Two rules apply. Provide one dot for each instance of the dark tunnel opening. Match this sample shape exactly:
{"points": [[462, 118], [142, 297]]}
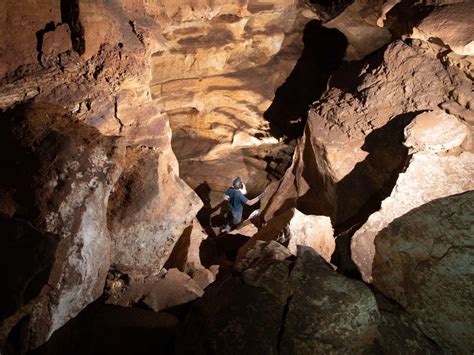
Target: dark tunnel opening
{"points": [[323, 52]]}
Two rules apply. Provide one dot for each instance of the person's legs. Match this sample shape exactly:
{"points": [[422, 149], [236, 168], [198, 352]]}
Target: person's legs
{"points": [[237, 218]]}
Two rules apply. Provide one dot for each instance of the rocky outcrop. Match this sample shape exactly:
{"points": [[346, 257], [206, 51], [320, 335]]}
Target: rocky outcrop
{"points": [[432, 173], [173, 289], [352, 152], [423, 260], [63, 60], [358, 22], [148, 211], [282, 306], [58, 177], [294, 228]]}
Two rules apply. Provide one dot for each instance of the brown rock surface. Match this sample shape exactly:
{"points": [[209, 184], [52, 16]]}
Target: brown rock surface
{"points": [[436, 132], [148, 211], [173, 289], [60, 174], [352, 152], [423, 260], [282, 306], [293, 228], [429, 176], [452, 25], [358, 22]]}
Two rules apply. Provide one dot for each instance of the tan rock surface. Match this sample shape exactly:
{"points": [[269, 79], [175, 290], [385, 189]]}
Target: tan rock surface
{"points": [[352, 148], [173, 289], [294, 228], [452, 25], [148, 211], [436, 132], [428, 177], [424, 261]]}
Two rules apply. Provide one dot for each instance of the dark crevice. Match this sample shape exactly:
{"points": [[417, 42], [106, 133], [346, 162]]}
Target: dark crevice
{"points": [[328, 9], [323, 52], [136, 33], [70, 11], [286, 309], [116, 115], [368, 184]]}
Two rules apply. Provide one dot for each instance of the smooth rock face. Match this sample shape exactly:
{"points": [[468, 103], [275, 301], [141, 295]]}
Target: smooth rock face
{"points": [[61, 189], [294, 228], [173, 289], [279, 306], [423, 260], [148, 211], [452, 25], [436, 132]]}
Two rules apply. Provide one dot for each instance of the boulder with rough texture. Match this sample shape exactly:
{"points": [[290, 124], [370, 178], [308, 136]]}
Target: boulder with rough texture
{"points": [[294, 228], [148, 212], [352, 150], [398, 331], [452, 25], [282, 306], [424, 261], [58, 177], [428, 177], [327, 311], [432, 173]]}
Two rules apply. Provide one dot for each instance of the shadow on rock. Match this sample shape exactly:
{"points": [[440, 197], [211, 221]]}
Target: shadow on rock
{"points": [[323, 52]]}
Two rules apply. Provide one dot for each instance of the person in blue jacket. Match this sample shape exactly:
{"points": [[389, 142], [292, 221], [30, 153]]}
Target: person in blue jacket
{"points": [[235, 197]]}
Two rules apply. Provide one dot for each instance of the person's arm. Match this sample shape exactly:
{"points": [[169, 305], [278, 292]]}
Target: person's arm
{"points": [[254, 200], [243, 189]]}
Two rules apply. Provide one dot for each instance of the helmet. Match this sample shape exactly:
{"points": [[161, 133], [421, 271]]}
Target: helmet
{"points": [[237, 183]]}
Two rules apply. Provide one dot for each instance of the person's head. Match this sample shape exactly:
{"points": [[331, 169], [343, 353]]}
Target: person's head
{"points": [[237, 183]]}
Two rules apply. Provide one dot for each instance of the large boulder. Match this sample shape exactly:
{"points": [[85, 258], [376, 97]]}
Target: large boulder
{"points": [[58, 175], [352, 150], [452, 25], [294, 228], [423, 260], [282, 306], [148, 212], [432, 173], [327, 311]]}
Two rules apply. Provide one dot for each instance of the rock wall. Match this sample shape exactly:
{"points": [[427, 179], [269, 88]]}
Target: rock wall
{"points": [[83, 64], [59, 175]]}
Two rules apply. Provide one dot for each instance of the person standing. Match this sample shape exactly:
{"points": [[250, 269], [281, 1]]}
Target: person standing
{"points": [[235, 197]]}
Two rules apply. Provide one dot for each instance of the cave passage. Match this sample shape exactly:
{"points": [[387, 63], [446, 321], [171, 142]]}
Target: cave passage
{"points": [[70, 15], [323, 52]]}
